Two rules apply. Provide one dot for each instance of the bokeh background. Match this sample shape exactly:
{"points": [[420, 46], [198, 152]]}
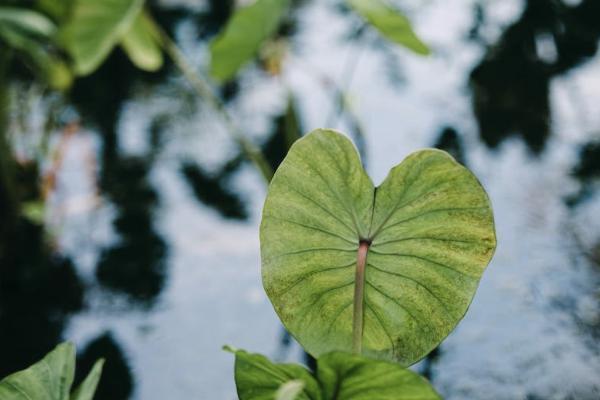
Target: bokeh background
{"points": [[129, 217]]}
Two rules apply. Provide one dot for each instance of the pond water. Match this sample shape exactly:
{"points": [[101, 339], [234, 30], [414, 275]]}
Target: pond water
{"points": [[166, 249]]}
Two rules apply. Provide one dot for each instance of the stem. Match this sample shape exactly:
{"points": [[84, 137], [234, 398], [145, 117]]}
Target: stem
{"points": [[202, 87], [359, 300], [341, 104]]}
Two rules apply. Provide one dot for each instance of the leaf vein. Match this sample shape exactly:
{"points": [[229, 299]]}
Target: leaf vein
{"points": [[312, 227], [402, 307], [439, 300], [427, 238], [384, 228], [382, 327], [353, 230], [426, 260], [313, 273]]}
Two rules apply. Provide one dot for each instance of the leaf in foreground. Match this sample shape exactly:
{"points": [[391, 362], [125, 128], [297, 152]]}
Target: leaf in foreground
{"points": [[390, 23], [243, 36], [387, 272], [51, 378], [339, 376]]}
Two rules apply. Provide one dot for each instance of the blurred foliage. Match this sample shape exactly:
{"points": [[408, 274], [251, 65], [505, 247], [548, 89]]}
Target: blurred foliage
{"points": [[243, 36], [31, 35], [95, 27], [390, 23], [249, 28], [142, 43]]}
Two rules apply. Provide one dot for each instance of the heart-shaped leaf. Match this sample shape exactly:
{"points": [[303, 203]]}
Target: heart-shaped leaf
{"points": [[385, 271], [51, 378], [339, 376], [390, 23], [243, 36]]}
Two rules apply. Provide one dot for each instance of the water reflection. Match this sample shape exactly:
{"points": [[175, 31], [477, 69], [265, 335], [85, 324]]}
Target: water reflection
{"points": [[117, 379], [214, 189], [587, 172], [511, 84], [450, 141], [136, 264], [39, 289]]}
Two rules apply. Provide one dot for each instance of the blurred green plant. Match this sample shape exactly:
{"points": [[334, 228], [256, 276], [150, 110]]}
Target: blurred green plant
{"points": [[89, 30], [31, 36], [94, 27], [51, 378], [390, 22], [251, 26], [245, 33]]}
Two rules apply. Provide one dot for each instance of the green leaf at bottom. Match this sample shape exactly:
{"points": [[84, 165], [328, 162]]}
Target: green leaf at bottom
{"points": [[339, 376], [257, 378], [50, 379]]}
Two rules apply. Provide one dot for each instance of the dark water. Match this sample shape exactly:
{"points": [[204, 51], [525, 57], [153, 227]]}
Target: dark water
{"points": [[164, 269]]}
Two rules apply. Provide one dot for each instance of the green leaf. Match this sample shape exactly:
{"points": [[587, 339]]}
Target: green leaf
{"points": [[95, 27], [352, 377], [390, 23], [50, 379], [258, 378], [243, 36], [339, 376], [387, 271], [86, 390], [142, 44], [28, 22]]}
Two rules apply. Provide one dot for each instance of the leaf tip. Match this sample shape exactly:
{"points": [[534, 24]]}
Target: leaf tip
{"points": [[230, 349]]}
